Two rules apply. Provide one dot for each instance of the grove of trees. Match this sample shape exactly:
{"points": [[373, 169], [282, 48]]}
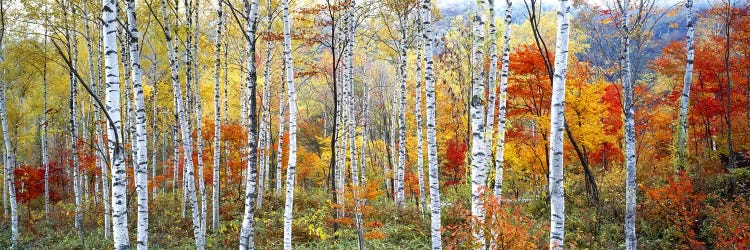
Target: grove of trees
{"points": [[381, 124]]}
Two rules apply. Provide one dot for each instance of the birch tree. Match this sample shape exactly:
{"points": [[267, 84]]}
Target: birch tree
{"points": [[104, 166], [630, 157], [682, 137], [117, 156], [217, 122], [45, 154], [72, 106], [289, 70], [432, 160], [247, 232], [491, 78], [141, 170], [557, 124], [418, 111], [502, 103], [478, 152], [280, 136], [9, 159], [401, 119]]}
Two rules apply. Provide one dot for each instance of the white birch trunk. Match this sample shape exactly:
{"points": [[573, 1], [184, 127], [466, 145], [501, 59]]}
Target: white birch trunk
{"points": [[432, 159], [491, 78], [73, 107], [280, 136], [154, 142], [478, 151], [264, 133], [45, 154], [501, 120], [401, 122], [9, 161], [630, 157], [289, 70], [217, 123], [117, 157], [557, 124], [682, 137], [141, 164], [247, 232], [418, 111], [105, 177]]}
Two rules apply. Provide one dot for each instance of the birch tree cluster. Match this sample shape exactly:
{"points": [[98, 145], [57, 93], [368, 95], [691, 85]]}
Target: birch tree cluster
{"points": [[375, 124]]}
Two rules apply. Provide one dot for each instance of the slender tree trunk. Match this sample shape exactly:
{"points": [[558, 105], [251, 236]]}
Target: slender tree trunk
{"points": [[154, 138], [432, 160], [491, 78], [9, 162], [199, 122], [557, 124], [264, 133], [103, 166], [141, 170], [478, 152], [217, 123], [45, 154], [730, 151], [289, 70], [73, 105], [418, 110], [352, 125], [682, 137], [247, 232], [501, 120], [401, 121], [117, 157], [630, 156], [280, 137]]}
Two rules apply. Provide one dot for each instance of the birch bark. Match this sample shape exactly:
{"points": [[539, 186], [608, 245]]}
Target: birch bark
{"points": [[432, 161], [478, 151], [682, 137], [557, 124], [289, 70], [141, 170], [117, 157], [500, 135]]}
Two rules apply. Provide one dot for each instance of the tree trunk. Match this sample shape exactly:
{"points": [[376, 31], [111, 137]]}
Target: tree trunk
{"points": [[247, 232], [401, 121], [418, 111], [264, 133], [630, 156], [103, 166], [501, 120], [491, 78], [9, 162], [141, 170], [432, 160], [45, 154], [199, 122], [73, 105], [682, 137], [478, 152], [557, 130], [217, 123], [289, 70], [280, 137], [117, 157]]}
